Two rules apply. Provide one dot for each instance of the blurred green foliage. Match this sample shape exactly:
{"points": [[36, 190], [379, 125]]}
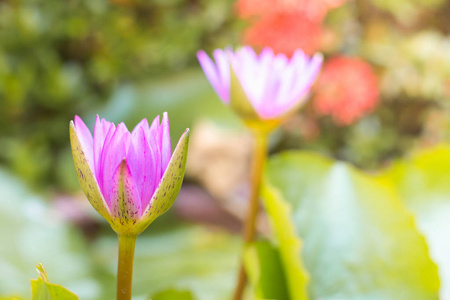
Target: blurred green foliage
{"points": [[173, 294], [61, 58]]}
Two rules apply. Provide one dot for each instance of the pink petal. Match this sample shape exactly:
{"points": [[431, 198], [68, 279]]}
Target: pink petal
{"points": [[113, 154], [86, 140], [166, 150], [308, 77], [101, 130], [223, 67], [142, 161], [154, 129], [143, 124], [125, 199], [99, 171], [154, 145], [212, 73], [266, 54]]}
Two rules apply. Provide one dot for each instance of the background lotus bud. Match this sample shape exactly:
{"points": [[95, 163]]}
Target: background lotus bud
{"points": [[130, 178], [263, 89]]}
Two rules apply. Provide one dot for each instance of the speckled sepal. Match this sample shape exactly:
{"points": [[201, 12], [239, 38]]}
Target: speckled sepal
{"points": [[168, 188], [86, 176]]}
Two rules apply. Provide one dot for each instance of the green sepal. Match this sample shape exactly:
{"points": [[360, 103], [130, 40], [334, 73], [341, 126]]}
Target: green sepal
{"points": [[86, 176], [239, 101], [168, 188]]}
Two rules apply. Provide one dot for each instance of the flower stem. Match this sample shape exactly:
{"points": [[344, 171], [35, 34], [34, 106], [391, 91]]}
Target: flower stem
{"points": [[125, 266], [259, 160]]}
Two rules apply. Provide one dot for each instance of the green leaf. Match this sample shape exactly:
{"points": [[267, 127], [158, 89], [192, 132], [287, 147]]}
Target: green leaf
{"points": [[42, 289], [359, 240], [290, 244], [265, 271], [173, 295], [423, 182]]}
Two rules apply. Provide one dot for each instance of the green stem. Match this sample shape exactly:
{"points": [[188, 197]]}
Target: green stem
{"points": [[259, 160], [125, 266]]}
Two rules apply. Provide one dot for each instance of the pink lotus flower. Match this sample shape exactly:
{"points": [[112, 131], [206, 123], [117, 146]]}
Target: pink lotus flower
{"points": [[262, 87], [130, 178]]}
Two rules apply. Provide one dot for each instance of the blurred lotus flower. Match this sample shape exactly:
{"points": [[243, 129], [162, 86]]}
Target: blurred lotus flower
{"points": [[346, 89], [264, 88], [130, 178]]}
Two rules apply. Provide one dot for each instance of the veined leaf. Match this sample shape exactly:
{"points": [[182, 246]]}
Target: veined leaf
{"points": [[359, 240]]}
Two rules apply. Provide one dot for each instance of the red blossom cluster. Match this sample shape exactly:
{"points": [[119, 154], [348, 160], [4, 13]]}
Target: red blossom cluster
{"points": [[346, 89], [285, 25], [297, 33]]}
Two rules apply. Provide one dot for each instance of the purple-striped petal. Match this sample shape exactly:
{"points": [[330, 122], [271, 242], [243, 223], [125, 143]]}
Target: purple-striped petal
{"points": [[103, 129], [142, 124], [142, 161], [113, 154], [166, 150], [169, 186]]}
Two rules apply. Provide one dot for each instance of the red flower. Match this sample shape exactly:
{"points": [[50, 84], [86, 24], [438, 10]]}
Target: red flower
{"points": [[284, 33], [346, 89], [314, 10]]}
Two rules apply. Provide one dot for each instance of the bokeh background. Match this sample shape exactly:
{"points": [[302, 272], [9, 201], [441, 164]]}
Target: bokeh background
{"points": [[383, 93]]}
